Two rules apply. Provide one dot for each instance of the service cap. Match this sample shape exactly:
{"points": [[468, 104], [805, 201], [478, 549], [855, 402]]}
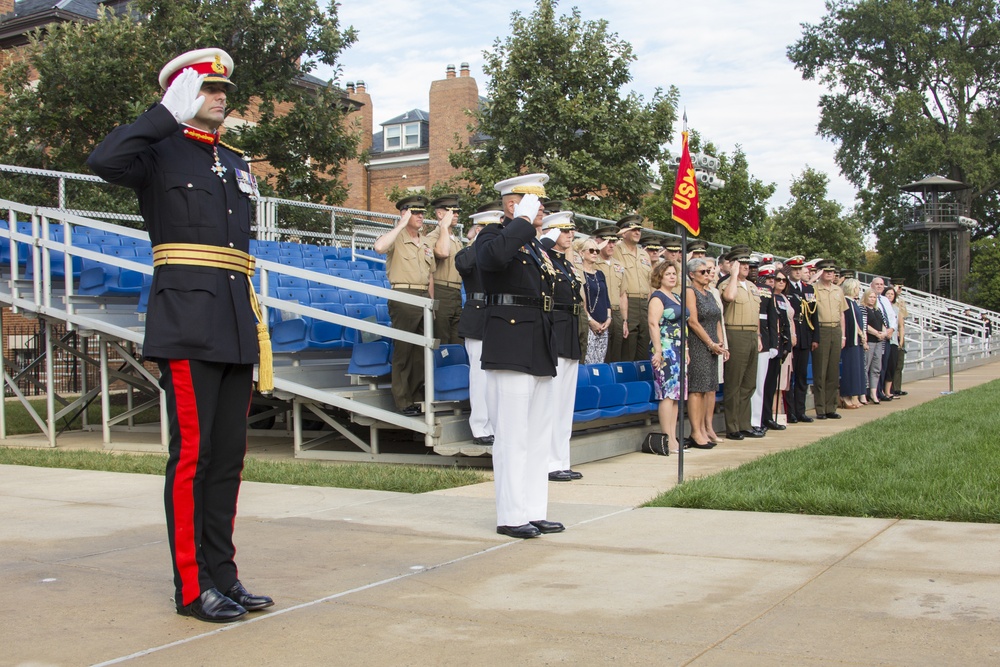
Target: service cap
{"points": [[215, 64]]}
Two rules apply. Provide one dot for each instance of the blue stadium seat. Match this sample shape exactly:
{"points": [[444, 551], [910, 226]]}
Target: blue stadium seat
{"points": [[612, 400], [451, 383], [314, 264], [289, 335], [356, 298], [450, 355], [324, 295], [600, 374], [624, 371], [324, 335], [371, 359], [644, 370], [382, 314], [637, 395], [337, 264], [585, 407], [364, 274], [292, 281]]}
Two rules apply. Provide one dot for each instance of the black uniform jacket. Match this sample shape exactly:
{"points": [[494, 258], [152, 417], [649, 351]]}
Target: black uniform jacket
{"points": [[472, 321], [768, 321], [567, 295], [805, 334], [516, 338], [194, 312]]}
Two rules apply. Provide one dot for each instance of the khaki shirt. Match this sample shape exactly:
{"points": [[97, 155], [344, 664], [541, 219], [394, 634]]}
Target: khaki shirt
{"points": [[637, 269], [410, 261], [830, 303], [901, 306], [744, 310], [614, 275], [445, 272]]}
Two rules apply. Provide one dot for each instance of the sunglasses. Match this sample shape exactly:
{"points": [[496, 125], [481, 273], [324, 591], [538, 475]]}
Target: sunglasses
{"points": [[593, 250], [780, 280]]}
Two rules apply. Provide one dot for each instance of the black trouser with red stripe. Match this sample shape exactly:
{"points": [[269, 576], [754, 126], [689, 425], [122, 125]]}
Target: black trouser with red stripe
{"points": [[207, 406]]}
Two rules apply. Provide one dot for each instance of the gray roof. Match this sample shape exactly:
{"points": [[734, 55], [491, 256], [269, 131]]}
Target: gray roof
{"points": [[409, 117], [85, 8]]}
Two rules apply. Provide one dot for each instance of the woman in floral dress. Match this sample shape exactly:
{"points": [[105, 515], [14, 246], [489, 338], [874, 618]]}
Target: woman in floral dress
{"points": [[665, 321]]}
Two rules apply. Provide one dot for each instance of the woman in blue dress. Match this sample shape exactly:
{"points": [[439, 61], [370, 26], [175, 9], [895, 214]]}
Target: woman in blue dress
{"points": [[665, 322]]}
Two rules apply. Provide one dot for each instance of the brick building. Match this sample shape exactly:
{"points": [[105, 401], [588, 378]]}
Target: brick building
{"points": [[411, 150]]}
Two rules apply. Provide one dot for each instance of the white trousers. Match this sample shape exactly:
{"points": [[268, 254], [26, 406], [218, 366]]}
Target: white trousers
{"points": [[564, 396], [520, 409], [479, 419], [757, 400]]}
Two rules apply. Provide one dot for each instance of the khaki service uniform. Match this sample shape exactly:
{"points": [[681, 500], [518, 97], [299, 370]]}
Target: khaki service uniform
{"points": [[830, 304], [614, 274], [447, 292], [635, 282], [409, 264], [742, 321]]}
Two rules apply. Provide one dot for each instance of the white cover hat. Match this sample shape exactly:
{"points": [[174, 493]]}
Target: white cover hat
{"points": [[528, 184]]}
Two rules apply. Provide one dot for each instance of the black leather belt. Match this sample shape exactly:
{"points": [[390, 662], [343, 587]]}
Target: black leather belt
{"points": [[545, 303], [574, 308], [477, 296]]}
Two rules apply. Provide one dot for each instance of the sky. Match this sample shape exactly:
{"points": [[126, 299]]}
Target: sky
{"points": [[727, 58]]}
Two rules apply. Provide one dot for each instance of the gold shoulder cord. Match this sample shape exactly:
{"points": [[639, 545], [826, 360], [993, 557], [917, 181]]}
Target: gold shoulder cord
{"points": [[808, 310]]}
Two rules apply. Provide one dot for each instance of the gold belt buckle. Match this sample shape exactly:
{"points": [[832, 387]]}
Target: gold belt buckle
{"points": [[547, 304]]}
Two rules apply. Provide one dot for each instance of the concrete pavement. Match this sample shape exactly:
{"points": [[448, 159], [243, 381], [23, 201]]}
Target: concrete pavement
{"points": [[377, 578]]}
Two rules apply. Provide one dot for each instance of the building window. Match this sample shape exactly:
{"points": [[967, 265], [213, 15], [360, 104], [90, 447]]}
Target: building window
{"points": [[392, 137], [402, 136]]}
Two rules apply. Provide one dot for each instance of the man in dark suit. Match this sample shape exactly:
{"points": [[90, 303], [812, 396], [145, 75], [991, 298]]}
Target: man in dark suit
{"points": [[194, 193], [519, 356], [800, 295]]}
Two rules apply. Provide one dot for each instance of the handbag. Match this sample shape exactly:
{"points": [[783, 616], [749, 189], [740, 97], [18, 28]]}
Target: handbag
{"points": [[656, 443]]}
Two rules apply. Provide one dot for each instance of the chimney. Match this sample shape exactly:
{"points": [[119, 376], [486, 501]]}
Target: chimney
{"points": [[451, 99], [355, 174], [360, 86], [350, 87]]}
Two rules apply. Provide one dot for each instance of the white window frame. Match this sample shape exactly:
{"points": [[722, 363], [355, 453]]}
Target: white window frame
{"points": [[397, 131], [407, 135]]}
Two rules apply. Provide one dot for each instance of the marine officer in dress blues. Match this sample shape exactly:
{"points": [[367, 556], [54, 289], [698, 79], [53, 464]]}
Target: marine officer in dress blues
{"points": [[519, 356], [201, 327]]}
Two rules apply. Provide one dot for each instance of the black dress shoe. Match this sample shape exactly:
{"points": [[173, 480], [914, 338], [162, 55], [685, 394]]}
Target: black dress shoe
{"points": [[753, 433], [832, 415], [820, 415], [523, 532], [806, 419], [246, 599], [548, 526], [560, 476], [411, 410], [774, 426], [707, 445], [792, 419], [574, 474], [214, 607], [485, 440], [734, 436], [896, 394]]}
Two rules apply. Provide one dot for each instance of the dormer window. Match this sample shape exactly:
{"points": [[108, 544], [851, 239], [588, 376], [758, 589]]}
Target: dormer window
{"points": [[398, 137]]}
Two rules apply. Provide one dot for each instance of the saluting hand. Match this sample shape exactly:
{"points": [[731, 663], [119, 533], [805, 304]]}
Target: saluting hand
{"points": [[183, 98], [527, 208], [447, 219], [404, 218]]}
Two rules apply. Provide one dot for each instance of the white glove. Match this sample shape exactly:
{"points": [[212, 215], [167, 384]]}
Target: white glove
{"points": [[772, 353], [552, 235], [527, 208], [183, 98]]}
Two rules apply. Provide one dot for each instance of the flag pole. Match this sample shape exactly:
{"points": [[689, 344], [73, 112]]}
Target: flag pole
{"points": [[682, 403]]}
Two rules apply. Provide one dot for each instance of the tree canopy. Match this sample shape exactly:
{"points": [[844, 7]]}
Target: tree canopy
{"points": [[914, 92], [556, 106], [94, 76], [816, 226]]}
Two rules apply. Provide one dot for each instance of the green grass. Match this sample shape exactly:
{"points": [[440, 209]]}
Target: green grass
{"points": [[374, 476], [19, 422], [936, 461]]}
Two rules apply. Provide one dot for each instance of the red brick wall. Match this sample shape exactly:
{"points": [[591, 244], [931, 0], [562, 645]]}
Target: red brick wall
{"points": [[450, 100], [383, 180]]}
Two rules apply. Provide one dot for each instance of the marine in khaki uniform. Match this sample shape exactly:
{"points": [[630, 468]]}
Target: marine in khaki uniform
{"points": [[614, 273], [830, 307], [409, 264], [741, 313], [447, 280], [897, 381], [635, 333]]}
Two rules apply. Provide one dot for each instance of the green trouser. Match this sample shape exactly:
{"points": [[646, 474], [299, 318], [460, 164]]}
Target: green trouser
{"points": [[739, 377], [584, 323], [636, 346], [826, 370], [897, 379], [449, 308], [614, 337], [407, 359]]}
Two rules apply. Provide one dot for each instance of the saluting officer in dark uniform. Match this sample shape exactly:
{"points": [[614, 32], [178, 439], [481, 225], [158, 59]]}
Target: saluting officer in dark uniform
{"points": [[472, 321], [519, 356], [803, 300], [194, 194], [559, 230]]}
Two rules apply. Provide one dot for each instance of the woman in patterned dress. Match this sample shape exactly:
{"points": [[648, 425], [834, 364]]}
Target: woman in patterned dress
{"points": [[706, 348], [664, 322]]}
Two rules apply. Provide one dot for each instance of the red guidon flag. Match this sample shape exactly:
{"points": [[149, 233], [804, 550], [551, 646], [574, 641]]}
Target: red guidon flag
{"points": [[685, 204]]}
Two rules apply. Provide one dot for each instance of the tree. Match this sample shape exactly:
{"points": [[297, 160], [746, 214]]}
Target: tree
{"points": [[815, 226], [914, 92], [985, 276], [555, 106], [94, 76], [736, 213]]}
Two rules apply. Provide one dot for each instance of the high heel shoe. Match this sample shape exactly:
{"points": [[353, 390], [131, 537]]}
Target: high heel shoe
{"points": [[872, 400]]}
